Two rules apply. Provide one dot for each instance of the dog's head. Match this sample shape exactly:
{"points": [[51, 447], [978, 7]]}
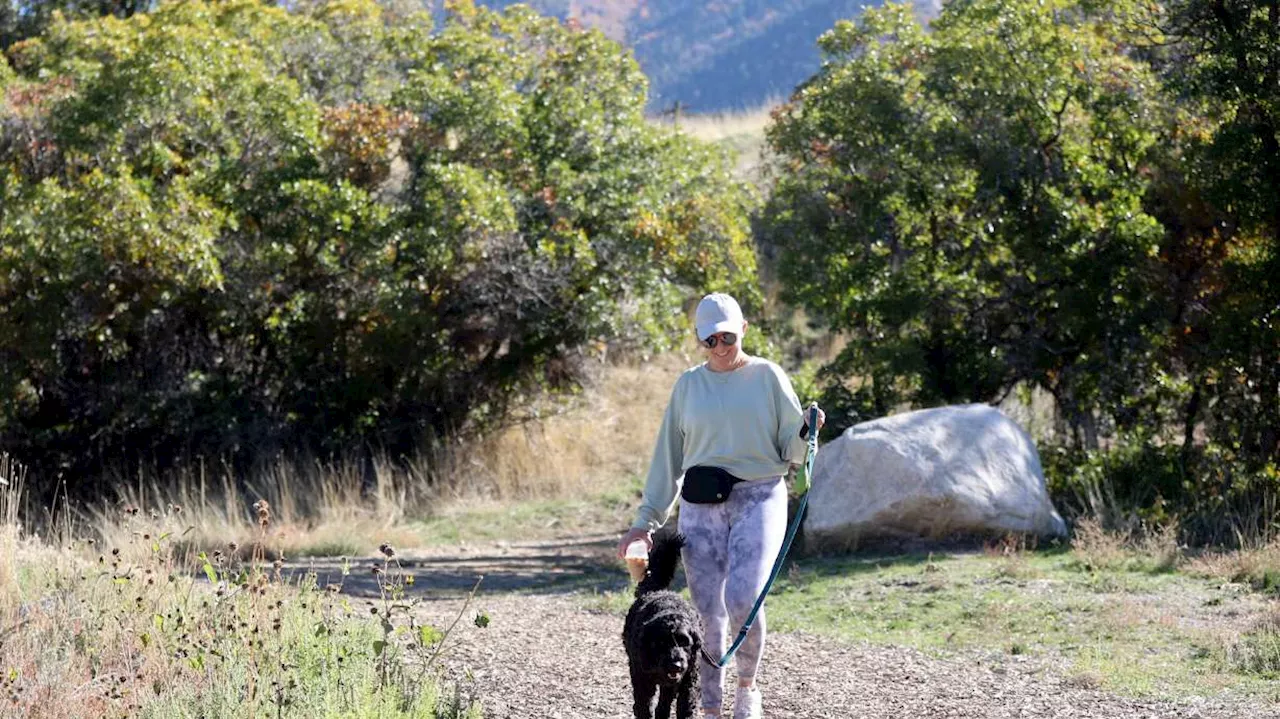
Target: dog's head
{"points": [[671, 649]]}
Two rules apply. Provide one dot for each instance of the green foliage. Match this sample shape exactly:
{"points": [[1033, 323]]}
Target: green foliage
{"points": [[962, 203], [1210, 493], [1133, 473], [1227, 58], [1074, 196], [222, 234], [1221, 61], [23, 19]]}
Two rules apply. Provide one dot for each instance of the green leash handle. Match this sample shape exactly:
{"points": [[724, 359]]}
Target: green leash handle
{"points": [[807, 470]]}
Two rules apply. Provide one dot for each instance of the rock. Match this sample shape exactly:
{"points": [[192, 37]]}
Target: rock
{"points": [[965, 469]]}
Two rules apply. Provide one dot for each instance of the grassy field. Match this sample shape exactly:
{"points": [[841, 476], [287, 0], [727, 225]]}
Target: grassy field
{"points": [[600, 511], [590, 445], [1137, 629]]}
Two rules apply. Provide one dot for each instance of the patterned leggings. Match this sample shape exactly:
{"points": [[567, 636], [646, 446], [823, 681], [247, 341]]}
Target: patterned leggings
{"points": [[729, 552]]}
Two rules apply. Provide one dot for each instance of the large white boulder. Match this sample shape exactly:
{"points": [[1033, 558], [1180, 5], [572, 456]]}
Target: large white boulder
{"points": [[931, 473]]}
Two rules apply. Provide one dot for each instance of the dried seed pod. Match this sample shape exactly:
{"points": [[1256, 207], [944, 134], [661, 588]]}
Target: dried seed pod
{"points": [[264, 512]]}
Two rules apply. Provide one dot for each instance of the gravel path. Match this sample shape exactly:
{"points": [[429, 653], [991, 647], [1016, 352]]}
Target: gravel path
{"points": [[545, 655]]}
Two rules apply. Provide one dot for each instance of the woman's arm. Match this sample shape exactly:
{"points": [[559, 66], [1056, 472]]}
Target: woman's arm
{"points": [[788, 440], [665, 470]]}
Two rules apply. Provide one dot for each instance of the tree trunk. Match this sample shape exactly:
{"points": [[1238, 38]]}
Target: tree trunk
{"points": [[1189, 424]]}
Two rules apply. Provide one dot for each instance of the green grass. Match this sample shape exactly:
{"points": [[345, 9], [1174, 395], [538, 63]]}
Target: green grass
{"points": [[1140, 629]]}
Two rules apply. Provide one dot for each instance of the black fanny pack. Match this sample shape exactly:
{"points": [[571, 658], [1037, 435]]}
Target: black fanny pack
{"points": [[707, 485]]}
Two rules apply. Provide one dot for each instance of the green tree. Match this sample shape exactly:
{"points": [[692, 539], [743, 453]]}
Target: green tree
{"points": [[967, 205], [23, 19], [1228, 57], [331, 228], [1225, 61]]}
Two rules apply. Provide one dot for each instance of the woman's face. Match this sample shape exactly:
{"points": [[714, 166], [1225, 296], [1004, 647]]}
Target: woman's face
{"points": [[725, 356]]}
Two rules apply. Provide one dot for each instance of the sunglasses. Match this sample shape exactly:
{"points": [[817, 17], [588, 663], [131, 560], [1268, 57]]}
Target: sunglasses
{"points": [[728, 338]]}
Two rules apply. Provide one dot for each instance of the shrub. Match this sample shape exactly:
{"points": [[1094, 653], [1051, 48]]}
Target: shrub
{"points": [[220, 237], [1139, 484]]}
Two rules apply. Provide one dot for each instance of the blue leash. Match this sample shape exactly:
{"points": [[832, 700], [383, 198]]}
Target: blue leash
{"points": [[786, 544]]}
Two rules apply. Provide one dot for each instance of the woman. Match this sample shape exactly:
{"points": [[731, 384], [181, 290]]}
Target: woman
{"points": [[737, 413]]}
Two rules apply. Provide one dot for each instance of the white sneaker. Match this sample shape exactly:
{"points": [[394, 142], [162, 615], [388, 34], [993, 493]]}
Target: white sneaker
{"points": [[746, 703]]}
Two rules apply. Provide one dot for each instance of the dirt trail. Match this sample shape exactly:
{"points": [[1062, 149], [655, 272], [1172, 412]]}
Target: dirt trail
{"points": [[545, 655]]}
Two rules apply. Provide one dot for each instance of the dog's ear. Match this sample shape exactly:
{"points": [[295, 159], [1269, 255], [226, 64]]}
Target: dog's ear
{"points": [[695, 640]]}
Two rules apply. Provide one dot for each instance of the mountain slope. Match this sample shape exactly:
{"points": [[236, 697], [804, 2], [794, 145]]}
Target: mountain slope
{"points": [[715, 55]]}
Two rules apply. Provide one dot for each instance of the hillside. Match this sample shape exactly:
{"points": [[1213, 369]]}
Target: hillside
{"points": [[715, 55]]}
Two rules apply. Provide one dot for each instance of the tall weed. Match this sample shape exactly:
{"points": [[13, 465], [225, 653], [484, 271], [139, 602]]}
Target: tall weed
{"points": [[124, 630], [1141, 548], [1259, 567], [12, 479]]}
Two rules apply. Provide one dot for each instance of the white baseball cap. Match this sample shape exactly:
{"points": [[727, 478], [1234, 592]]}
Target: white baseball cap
{"points": [[718, 312]]}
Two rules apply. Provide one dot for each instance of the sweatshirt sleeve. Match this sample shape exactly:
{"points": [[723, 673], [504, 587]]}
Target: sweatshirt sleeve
{"points": [[791, 446], [666, 470]]}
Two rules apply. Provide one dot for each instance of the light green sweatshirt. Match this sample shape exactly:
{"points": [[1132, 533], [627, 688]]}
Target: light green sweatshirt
{"points": [[746, 421]]}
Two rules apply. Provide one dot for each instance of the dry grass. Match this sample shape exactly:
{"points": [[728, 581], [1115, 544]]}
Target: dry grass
{"points": [[602, 437], [727, 125], [1011, 553], [1255, 651], [119, 625], [1258, 567], [1097, 547], [317, 510], [743, 132], [1153, 549], [578, 447], [122, 631], [12, 478]]}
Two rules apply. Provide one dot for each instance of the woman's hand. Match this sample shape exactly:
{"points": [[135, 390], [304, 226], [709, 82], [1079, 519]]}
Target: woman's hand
{"points": [[822, 418], [631, 536]]}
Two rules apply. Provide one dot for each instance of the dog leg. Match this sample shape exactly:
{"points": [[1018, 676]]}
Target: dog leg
{"points": [[687, 694], [642, 691], [665, 696]]}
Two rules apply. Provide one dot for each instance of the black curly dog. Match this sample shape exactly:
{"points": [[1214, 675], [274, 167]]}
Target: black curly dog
{"points": [[663, 635]]}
